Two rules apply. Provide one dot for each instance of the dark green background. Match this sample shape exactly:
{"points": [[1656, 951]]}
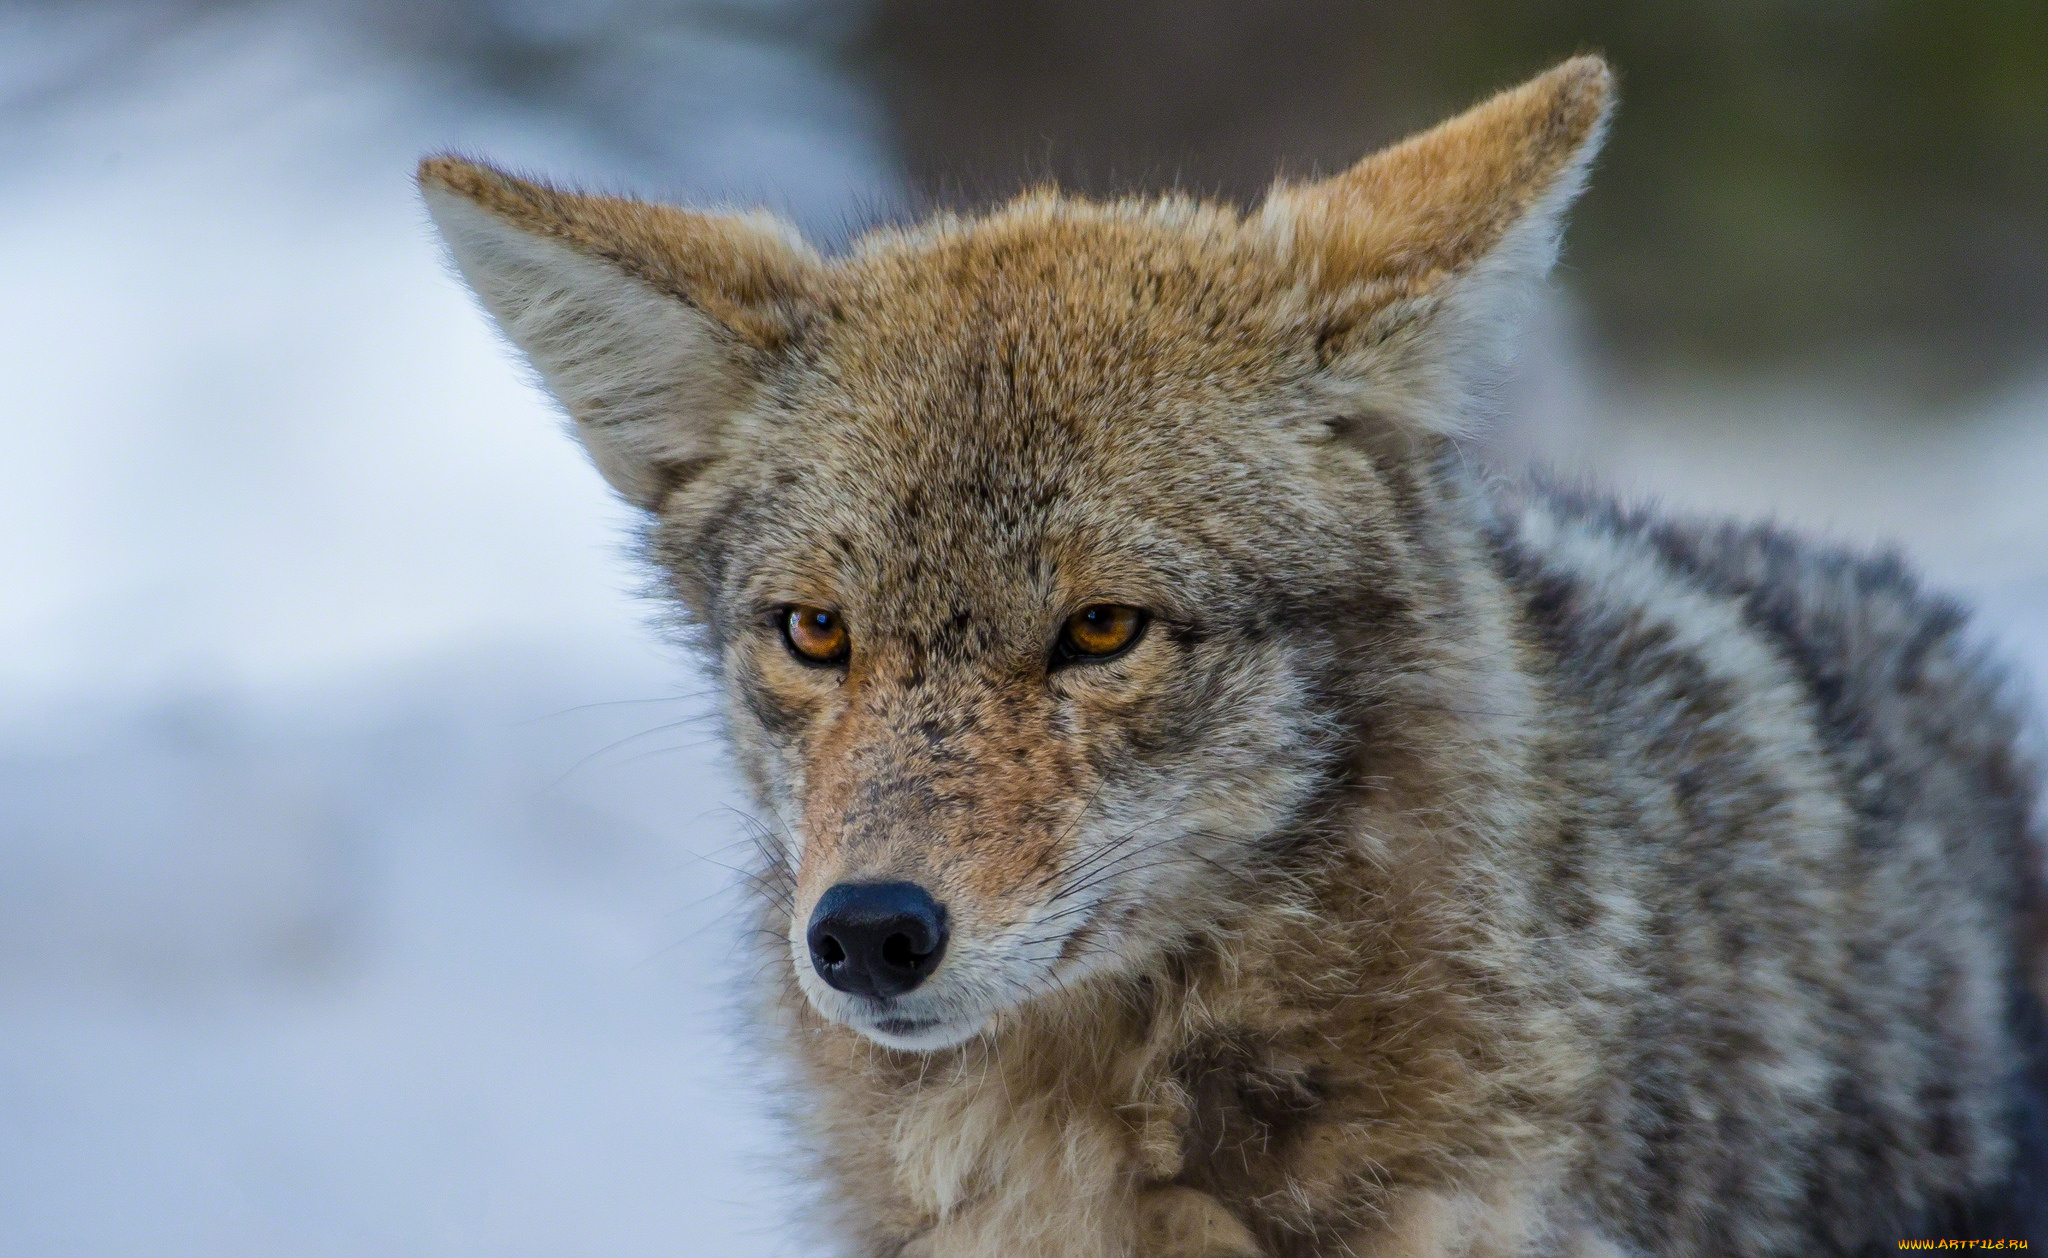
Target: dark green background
{"points": [[1862, 186]]}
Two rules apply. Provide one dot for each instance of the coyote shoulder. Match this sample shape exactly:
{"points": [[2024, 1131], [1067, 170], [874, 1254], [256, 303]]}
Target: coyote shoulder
{"points": [[1211, 820]]}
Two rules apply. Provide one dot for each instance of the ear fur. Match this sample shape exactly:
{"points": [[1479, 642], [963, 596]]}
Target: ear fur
{"points": [[1421, 257], [652, 325]]}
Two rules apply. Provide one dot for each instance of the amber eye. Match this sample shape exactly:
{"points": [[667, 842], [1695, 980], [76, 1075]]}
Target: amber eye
{"points": [[815, 635], [1100, 631]]}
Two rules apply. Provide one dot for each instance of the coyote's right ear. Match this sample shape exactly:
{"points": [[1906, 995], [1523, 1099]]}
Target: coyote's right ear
{"points": [[652, 325]]}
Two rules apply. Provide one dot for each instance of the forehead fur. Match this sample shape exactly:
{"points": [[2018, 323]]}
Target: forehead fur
{"points": [[1174, 282], [1132, 378], [1062, 328]]}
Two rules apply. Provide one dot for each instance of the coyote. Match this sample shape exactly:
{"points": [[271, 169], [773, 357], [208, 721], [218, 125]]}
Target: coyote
{"points": [[1210, 818]]}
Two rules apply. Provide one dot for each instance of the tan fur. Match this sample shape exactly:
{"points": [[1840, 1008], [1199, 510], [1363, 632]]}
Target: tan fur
{"points": [[1446, 871]]}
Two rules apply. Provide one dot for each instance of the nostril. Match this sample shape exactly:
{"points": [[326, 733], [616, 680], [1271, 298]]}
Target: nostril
{"points": [[877, 939], [898, 952]]}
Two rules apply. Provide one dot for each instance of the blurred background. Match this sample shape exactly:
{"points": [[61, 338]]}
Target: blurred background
{"points": [[365, 864]]}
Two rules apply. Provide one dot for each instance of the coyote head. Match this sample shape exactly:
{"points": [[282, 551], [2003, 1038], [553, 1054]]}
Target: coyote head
{"points": [[1048, 558]]}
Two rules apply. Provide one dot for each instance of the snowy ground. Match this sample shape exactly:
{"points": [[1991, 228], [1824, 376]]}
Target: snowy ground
{"points": [[363, 861]]}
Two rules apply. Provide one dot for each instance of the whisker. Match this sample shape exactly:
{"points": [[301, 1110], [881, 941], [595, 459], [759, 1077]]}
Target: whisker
{"points": [[614, 703], [608, 748]]}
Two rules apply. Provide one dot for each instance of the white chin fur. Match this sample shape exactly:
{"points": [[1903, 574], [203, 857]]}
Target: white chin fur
{"points": [[923, 1038], [908, 1030], [938, 1015]]}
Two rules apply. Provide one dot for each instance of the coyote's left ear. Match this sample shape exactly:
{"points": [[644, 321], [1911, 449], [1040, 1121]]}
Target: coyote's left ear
{"points": [[654, 326], [1419, 258]]}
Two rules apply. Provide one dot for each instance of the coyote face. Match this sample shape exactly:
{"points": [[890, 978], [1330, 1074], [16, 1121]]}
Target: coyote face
{"points": [[984, 645], [1024, 544]]}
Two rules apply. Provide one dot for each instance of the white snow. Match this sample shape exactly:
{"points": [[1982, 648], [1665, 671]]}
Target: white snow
{"points": [[365, 867]]}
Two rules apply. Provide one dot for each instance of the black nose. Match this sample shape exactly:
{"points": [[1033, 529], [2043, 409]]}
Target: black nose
{"points": [[877, 938]]}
